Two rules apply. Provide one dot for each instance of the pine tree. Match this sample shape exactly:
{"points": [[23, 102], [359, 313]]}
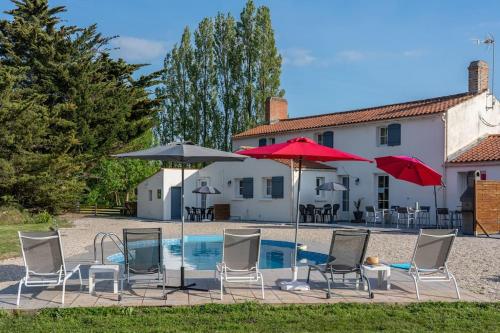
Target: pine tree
{"points": [[83, 104]]}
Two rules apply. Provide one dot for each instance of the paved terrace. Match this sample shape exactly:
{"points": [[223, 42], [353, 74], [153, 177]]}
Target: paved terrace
{"points": [[477, 283]]}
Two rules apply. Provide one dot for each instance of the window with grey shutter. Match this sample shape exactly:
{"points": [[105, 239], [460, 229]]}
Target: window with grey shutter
{"points": [[394, 135], [328, 139], [247, 188], [278, 187], [262, 142]]}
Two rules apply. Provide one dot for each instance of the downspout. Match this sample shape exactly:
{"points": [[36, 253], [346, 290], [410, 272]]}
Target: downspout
{"points": [[444, 118]]}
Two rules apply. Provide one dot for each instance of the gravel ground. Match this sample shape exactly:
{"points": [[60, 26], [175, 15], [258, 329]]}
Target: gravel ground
{"points": [[474, 261]]}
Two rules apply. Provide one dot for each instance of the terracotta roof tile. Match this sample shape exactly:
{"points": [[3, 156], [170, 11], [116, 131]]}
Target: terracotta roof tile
{"points": [[393, 111], [486, 150], [306, 165]]}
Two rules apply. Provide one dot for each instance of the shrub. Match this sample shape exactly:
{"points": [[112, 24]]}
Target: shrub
{"points": [[13, 215]]}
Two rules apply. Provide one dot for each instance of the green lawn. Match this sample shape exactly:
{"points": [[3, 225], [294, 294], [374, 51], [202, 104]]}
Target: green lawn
{"points": [[9, 240], [252, 317]]}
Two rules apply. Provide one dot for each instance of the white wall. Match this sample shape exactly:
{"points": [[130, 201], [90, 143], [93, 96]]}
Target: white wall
{"points": [[150, 209], [159, 209], [422, 137], [464, 126], [455, 187]]}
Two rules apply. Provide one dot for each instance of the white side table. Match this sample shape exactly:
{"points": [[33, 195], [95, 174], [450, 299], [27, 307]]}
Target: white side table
{"points": [[384, 274], [108, 268]]}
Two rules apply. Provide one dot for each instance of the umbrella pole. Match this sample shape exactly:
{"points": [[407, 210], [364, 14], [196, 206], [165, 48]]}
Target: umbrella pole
{"points": [[435, 206], [294, 284], [297, 218], [183, 285], [182, 227]]}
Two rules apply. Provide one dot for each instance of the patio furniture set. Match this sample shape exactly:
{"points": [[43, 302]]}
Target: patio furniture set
{"points": [[324, 214], [414, 216], [143, 257], [200, 213]]}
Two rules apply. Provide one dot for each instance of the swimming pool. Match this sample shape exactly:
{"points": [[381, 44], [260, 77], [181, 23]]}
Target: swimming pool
{"points": [[203, 252]]}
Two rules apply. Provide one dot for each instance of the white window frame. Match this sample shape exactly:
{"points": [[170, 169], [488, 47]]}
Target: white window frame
{"points": [[377, 189], [238, 188], [320, 195], [267, 187], [319, 138], [380, 136]]}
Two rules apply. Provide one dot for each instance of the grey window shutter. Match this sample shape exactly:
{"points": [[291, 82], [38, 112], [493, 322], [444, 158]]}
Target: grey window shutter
{"points": [[247, 188], [262, 142], [277, 190], [394, 135], [328, 139]]}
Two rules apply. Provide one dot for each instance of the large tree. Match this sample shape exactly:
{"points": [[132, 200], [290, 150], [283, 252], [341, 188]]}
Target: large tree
{"points": [[77, 103], [217, 85]]}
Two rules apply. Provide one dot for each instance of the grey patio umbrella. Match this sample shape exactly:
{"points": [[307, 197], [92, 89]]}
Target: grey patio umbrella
{"points": [[206, 190], [184, 153], [331, 186]]}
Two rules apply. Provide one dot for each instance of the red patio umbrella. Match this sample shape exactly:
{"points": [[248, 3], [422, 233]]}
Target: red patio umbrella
{"points": [[299, 149], [412, 170]]}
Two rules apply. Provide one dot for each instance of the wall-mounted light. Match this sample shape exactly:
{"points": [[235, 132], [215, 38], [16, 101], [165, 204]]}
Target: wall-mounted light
{"points": [[356, 181], [229, 182]]}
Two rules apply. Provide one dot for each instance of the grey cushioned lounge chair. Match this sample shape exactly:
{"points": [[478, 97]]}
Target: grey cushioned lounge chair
{"points": [[44, 262], [430, 257], [143, 251], [240, 258], [346, 256]]}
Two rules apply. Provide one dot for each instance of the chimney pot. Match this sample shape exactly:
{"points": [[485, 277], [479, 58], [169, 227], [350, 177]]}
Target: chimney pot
{"points": [[478, 76], [276, 109]]}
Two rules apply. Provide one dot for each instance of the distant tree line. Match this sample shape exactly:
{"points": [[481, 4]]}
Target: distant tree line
{"points": [[65, 106], [215, 81]]}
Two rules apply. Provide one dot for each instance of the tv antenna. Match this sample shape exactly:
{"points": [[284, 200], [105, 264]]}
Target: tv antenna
{"points": [[489, 41]]}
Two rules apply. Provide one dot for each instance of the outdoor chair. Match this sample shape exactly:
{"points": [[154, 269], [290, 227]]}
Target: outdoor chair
{"points": [[210, 213], [335, 209], [404, 214], [327, 212], [443, 217], [240, 258], [196, 213], [430, 258], [190, 213], [44, 262], [311, 211], [374, 215], [303, 213], [346, 256], [424, 215], [143, 252]]}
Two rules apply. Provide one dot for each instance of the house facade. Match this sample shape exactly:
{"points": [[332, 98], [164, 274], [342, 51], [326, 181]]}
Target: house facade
{"points": [[255, 190], [435, 130]]}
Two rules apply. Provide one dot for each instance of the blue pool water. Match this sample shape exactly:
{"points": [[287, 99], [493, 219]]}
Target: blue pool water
{"points": [[203, 252]]}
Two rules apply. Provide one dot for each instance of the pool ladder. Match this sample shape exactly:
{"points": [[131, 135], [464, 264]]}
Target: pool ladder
{"points": [[111, 235]]}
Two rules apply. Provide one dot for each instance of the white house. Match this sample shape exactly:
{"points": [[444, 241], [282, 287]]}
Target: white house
{"points": [[258, 190], [435, 130], [456, 135]]}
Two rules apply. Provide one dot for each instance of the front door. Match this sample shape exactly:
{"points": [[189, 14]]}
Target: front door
{"points": [[175, 203]]}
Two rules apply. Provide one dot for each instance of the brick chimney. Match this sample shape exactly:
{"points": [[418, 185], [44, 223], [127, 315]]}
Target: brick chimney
{"points": [[276, 109], [478, 76]]}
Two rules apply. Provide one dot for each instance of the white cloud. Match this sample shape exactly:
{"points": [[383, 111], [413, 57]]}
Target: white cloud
{"points": [[138, 49], [298, 57], [351, 55]]}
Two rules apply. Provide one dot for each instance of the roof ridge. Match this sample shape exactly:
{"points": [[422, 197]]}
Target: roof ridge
{"points": [[418, 101]]}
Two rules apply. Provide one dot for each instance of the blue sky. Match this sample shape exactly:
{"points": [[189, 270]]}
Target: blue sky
{"points": [[338, 55]]}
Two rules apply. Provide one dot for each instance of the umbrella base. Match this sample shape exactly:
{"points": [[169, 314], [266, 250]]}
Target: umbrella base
{"points": [[183, 286], [294, 285]]}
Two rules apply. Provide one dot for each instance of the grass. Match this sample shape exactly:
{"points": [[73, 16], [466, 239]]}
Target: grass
{"points": [[13, 220], [252, 317]]}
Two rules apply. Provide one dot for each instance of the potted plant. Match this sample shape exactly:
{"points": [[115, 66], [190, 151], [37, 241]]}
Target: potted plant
{"points": [[358, 214]]}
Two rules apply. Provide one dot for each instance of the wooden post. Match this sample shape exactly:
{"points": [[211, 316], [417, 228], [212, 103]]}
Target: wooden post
{"points": [[95, 210]]}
